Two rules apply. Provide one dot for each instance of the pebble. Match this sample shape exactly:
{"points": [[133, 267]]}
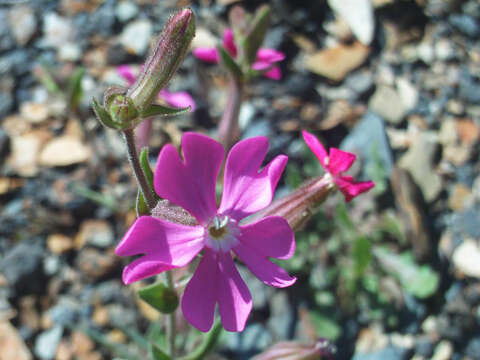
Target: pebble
{"points": [[70, 52], [57, 30], [96, 264], [418, 160], [135, 38], [47, 342], [6, 38], [126, 10], [98, 233], [443, 351], [387, 103], [22, 266], [64, 151], [466, 24], [473, 348], [281, 317], [408, 93], [35, 113], [466, 258], [388, 353], [336, 62], [59, 244], [22, 23], [460, 197], [358, 14], [368, 139], [12, 346], [6, 104]]}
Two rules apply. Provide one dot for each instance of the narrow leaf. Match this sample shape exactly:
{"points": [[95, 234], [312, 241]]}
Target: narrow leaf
{"points": [[229, 63], [158, 354], [162, 110], [103, 116], [256, 35], [160, 297], [145, 164], [208, 343], [75, 91], [141, 205]]}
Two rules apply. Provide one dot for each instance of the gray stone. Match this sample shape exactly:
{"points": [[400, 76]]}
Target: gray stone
{"points": [[47, 342], [369, 141], [388, 103], [360, 81], [281, 319], [65, 312], [22, 266], [465, 24], [23, 23], [57, 30], [389, 353], [6, 104], [126, 10], [135, 38], [6, 38]]}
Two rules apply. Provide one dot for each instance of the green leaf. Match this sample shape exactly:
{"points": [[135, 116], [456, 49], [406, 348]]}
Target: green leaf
{"points": [[75, 91], [423, 285], [324, 326], [256, 34], [157, 353], [103, 116], [141, 205], [208, 343], [147, 170], [162, 110], [362, 254], [229, 63], [160, 297]]}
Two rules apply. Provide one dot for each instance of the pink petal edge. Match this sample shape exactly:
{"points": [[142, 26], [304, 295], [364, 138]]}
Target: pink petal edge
{"points": [[270, 237], [274, 73], [229, 42], [180, 99], [246, 190], [190, 183], [127, 72], [340, 161], [351, 188], [316, 147]]}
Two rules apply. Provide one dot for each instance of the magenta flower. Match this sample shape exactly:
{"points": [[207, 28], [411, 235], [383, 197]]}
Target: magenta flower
{"points": [[191, 184], [266, 58], [335, 163], [180, 99]]}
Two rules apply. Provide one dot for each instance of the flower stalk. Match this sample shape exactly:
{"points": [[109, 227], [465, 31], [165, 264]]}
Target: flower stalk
{"points": [[228, 130]]}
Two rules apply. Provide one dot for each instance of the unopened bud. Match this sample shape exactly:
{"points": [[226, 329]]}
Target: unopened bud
{"points": [[298, 206], [164, 59], [295, 350]]}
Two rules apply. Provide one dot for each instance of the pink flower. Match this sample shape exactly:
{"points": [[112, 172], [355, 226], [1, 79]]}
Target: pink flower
{"points": [[335, 163], [266, 58], [180, 99], [190, 183]]}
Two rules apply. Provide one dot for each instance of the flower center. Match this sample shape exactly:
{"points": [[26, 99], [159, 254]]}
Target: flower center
{"points": [[221, 233]]}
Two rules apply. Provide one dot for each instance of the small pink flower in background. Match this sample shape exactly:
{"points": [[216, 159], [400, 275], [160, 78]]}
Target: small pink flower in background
{"points": [[190, 183], [335, 163], [266, 58], [180, 99]]}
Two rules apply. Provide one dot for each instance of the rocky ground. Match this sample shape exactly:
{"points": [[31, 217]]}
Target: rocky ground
{"points": [[394, 275]]}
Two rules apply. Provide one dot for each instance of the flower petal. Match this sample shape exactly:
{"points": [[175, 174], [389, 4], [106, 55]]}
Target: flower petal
{"points": [[269, 55], [234, 299], [165, 245], [207, 54], [274, 73], [351, 188], [270, 236], [200, 296], [316, 147], [180, 99], [191, 183], [340, 160], [142, 268], [266, 271], [246, 190], [127, 72], [261, 65], [229, 42]]}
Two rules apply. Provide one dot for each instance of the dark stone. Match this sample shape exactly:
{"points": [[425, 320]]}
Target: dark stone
{"points": [[465, 24], [473, 348], [467, 222], [6, 104], [424, 347], [100, 22], [6, 39], [389, 353], [65, 312], [300, 85], [22, 266], [469, 89], [117, 55]]}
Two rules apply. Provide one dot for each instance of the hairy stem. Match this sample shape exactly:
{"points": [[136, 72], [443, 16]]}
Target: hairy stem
{"points": [[228, 130], [137, 169]]}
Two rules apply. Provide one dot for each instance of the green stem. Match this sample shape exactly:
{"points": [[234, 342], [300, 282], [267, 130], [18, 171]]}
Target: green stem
{"points": [[171, 322], [207, 344], [137, 168]]}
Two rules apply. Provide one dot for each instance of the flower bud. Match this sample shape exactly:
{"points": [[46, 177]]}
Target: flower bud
{"points": [[295, 350], [164, 59], [299, 206]]}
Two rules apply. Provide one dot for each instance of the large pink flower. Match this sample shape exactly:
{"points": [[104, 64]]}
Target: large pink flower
{"points": [[266, 58], [190, 183], [180, 99], [335, 163]]}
